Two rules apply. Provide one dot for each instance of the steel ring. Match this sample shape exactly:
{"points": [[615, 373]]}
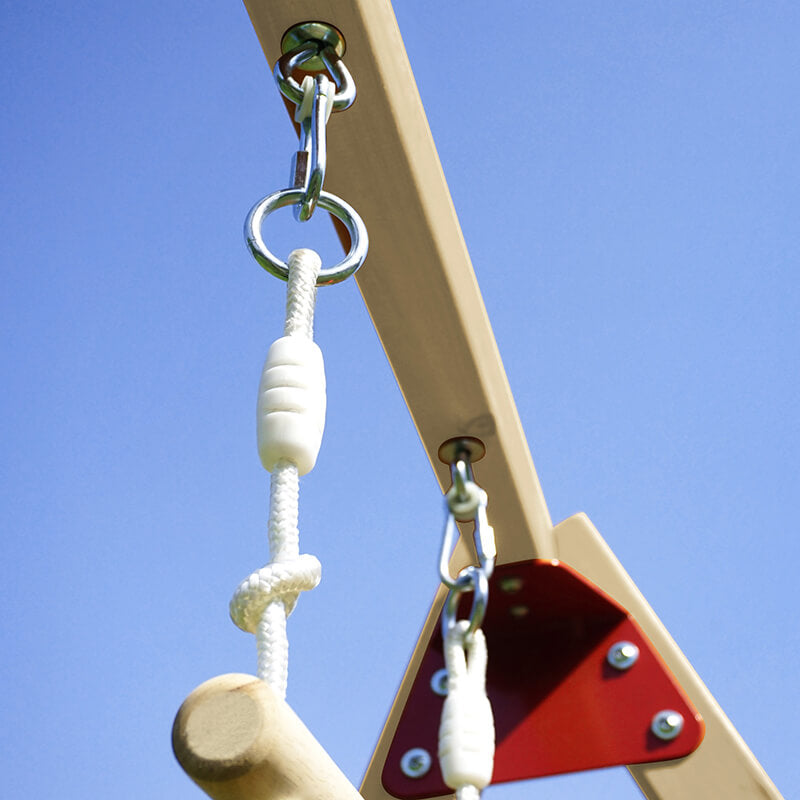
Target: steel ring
{"points": [[359, 241]]}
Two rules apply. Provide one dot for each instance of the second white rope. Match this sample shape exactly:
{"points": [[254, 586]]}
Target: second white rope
{"points": [[466, 732]]}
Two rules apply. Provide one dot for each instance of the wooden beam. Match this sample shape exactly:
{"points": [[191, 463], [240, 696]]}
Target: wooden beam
{"points": [[421, 293], [418, 282], [237, 740]]}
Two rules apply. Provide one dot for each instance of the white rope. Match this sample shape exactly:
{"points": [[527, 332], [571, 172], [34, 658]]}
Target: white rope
{"points": [[466, 732], [468, 793], [301, 293], [264, 600]]}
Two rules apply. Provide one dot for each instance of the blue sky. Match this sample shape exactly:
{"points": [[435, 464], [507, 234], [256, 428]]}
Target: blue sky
{"points": [[626, 176]]}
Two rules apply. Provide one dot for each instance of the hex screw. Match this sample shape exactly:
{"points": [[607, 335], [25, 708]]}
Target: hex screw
{"points": [[439, 682], [622, 655], [667, 724], [415, 762], [510, 584]]}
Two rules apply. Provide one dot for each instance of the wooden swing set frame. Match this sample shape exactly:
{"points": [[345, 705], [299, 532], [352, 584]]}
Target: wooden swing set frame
{"points": [[420, 290]]}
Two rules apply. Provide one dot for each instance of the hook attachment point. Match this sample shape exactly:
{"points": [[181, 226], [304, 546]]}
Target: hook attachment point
{"points": [[322, 33], [465, 448]]}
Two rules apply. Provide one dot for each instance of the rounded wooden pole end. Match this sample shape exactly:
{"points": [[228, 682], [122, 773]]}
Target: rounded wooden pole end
{"points": [[237, 740], [218, 731]]}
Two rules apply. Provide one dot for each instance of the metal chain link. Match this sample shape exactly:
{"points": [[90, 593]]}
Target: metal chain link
{"points": [[315, 99]]}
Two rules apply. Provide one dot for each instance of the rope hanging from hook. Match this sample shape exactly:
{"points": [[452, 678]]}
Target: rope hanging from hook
{"points": [[291, 418], [291, 396], [466, 730]]}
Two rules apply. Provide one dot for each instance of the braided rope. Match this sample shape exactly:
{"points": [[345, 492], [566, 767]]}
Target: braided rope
{"points": [[466, 733], [301, 293], [263, 601]]}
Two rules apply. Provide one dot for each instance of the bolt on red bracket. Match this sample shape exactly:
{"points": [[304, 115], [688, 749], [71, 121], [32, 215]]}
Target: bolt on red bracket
{"points": [[574, 685]]}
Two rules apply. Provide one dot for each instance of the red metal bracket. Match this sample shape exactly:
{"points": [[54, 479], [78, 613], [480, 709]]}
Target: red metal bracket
{"points": [[559, 705]]}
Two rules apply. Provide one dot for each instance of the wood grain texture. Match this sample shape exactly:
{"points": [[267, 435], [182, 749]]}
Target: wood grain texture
{"points": [[418, 283], [237, 740]]}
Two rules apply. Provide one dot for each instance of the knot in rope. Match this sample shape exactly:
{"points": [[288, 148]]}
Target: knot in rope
{"points": [[280, 580], [290, 420]]}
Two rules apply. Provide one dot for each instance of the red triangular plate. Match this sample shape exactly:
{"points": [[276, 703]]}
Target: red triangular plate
{"points": [[559, 706]]}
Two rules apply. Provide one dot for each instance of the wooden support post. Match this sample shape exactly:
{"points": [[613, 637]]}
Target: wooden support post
{"points": [[237, 740]]}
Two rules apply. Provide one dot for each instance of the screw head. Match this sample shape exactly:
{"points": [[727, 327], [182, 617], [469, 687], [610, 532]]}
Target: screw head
{"points": [[510, 584], [519, 612], [622, 655], [415, 762], [667, 724], [439, 682]]}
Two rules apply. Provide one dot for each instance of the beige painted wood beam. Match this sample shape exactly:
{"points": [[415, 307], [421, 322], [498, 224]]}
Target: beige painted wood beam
{"points": [[418, 282], [421, 293]]}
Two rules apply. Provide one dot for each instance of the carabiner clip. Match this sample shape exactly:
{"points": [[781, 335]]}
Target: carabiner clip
{"points": [[308, 172], [483, 538]]}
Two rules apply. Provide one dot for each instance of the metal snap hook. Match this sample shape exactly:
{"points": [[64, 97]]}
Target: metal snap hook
{"points": [[310, 161], [483, 538], [359, 240]]}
